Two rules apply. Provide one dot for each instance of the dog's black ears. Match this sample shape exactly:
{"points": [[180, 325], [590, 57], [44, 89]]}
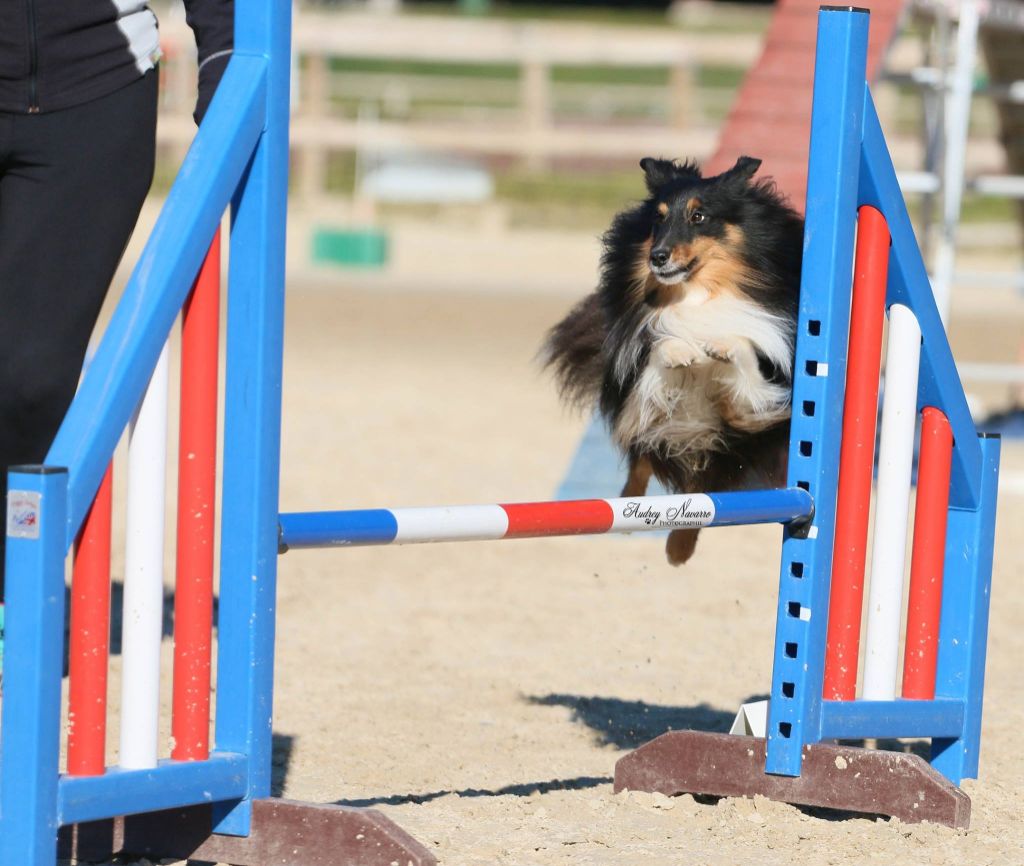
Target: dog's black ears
{"points": [[743, 170], [658, 172]]}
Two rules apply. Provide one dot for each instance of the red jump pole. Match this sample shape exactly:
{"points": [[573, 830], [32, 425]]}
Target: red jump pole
{"points": [[90, 639], [926, 565], [197, 481], [856, 455]]}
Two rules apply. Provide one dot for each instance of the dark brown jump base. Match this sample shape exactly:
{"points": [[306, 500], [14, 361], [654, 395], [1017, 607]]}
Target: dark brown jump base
{"points": [[284, 833], [291, 833], [835, 777]]}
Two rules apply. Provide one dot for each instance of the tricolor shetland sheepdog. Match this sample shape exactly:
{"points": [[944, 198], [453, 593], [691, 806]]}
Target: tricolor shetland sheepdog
{"points": [[686, 347]]}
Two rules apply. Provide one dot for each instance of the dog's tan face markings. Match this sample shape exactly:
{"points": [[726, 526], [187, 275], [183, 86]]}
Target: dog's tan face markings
{"points": [[734, 235], [719, 264], [699, 248], [648, 288], [663, 209], [728, 269], [692, 205]]}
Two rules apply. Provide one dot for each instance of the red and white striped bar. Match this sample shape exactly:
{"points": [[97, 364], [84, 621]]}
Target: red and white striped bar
{"points": [[541, 519]]}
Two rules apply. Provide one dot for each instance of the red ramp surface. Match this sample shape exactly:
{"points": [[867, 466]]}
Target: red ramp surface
{"points": [[771, 118]]}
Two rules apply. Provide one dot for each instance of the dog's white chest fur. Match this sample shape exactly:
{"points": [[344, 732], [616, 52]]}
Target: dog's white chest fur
{"points": [[702, 373]]}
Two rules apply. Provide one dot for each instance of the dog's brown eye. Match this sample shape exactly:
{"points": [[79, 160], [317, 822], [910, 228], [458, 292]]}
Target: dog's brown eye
{"points": [[697, 217]]}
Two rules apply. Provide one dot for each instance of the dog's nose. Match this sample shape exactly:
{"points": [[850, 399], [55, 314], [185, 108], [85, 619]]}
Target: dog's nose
{"points": [[659, 257]]}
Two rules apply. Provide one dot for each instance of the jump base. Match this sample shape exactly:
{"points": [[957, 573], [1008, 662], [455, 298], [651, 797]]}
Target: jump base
{"points": [[284, 833], [847, 778]]}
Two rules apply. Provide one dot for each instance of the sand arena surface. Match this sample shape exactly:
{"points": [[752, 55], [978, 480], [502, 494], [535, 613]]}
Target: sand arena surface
{"points": [[479, 694]]}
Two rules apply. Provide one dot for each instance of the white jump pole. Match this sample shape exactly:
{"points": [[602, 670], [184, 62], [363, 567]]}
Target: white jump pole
{"points": [[892, 509], [143, 579], [957, 115]]}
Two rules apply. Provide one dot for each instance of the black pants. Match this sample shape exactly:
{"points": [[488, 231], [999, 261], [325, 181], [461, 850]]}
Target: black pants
{"points": [[72, 183]]}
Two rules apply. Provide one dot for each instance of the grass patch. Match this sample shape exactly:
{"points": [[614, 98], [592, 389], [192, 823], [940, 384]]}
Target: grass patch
{"points": [[987, 209], [580, 201], [608, 189], [341, 173], [505, 71], [548, 12], [973, 209], [652, 76]]}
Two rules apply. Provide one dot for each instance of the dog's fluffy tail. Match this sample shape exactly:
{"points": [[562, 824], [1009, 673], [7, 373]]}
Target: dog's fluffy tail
{"points": [[574, 352]]}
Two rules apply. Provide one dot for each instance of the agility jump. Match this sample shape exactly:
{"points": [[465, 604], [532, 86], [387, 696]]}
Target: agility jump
{"points": [[214, 804]]}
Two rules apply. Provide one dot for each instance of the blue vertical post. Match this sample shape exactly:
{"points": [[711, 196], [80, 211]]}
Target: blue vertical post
{"points": [[963, 628], [252, 423], [819, 377], [36, 529]]}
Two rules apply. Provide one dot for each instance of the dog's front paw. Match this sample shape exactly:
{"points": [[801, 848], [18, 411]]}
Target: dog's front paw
{"points": [[678, 353], [722, 350]]}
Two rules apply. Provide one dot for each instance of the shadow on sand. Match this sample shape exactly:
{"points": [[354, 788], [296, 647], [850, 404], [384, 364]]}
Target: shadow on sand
{"points": [[628, 724], [619, 723]]}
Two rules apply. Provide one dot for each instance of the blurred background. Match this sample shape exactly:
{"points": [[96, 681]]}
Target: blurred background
{"points": [[482, 146]]}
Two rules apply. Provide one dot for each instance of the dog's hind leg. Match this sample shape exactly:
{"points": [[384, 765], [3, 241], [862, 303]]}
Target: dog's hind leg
{"points": [[681, 545], [681, 542], [640, 470]]}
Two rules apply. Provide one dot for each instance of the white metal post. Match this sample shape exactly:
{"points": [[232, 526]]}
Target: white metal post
{"points": [[143, 579], [892, 511], [957, 116]]}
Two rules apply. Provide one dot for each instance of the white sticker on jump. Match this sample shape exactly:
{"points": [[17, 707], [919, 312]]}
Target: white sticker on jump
{"points": [[23, 514], [690, 510]]}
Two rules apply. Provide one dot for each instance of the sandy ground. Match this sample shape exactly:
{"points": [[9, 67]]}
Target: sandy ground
{"points": [[480, 694]]}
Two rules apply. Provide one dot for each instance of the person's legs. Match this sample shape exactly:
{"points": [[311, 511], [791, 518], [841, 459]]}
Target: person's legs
{"points": [[71, 186]]}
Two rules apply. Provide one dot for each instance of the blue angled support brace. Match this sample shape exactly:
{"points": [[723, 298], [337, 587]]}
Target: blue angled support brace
{"points": [[939, 382], [159, 284]]}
